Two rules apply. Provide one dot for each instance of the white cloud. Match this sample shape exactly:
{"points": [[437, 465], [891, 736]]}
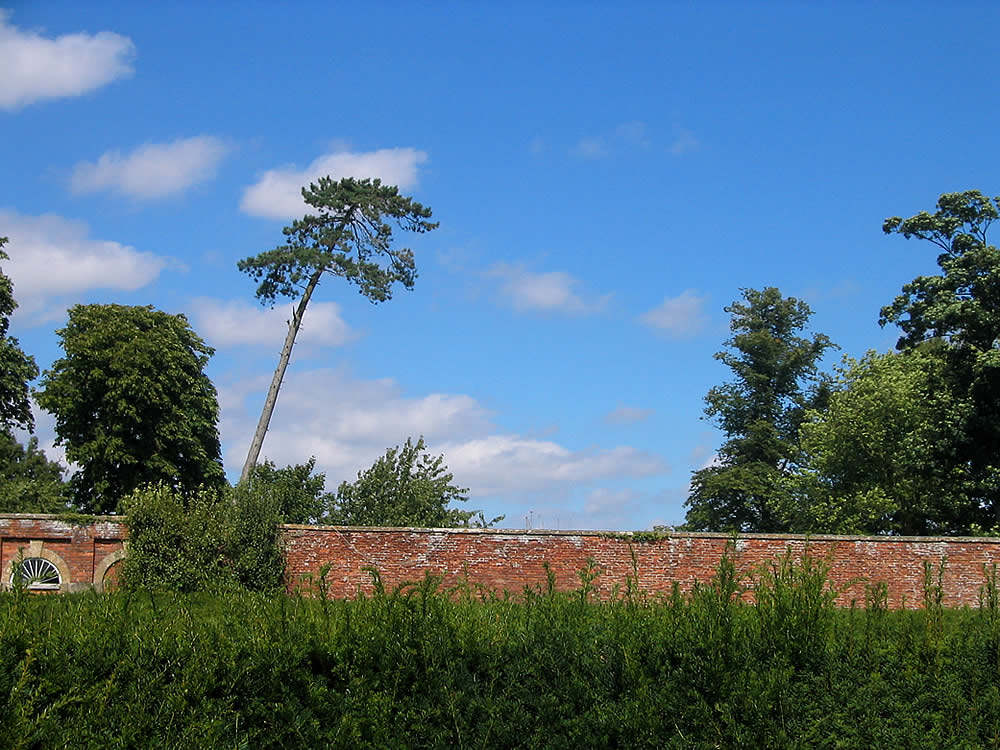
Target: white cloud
{"points": [[35, 67], [226, 323], [347, 423], [679, 316], [627, 415], [710, 462], [278, 193], [590, 148], [154, 170], [553, 291], [505, 463], [52, 258]]}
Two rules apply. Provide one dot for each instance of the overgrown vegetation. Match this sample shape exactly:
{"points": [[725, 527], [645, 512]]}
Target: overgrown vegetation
{"points": [[424, 667], [206, 541], [223, 539]]}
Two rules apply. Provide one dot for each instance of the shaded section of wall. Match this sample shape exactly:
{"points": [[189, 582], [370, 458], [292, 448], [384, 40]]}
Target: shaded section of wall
{"points": [[87, 552]]}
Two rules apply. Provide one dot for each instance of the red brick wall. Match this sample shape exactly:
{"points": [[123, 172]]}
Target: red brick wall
{"points": [[500, 559], [511, 560], [85, 553]]}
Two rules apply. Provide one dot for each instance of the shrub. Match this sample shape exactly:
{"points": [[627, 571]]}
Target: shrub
{"points": [[207, 540]]}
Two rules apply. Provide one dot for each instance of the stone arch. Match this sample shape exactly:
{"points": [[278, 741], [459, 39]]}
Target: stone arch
{"points": [[36, 548], [105, 565]]}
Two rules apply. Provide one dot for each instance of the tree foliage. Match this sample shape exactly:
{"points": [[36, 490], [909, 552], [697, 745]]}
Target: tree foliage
{"points": [[205, 540], [29, 482], [405, 487], [132, 403], [348, 236], [775, 381], [17, 369], [878, 458], [962, 304], [297, 491], [960, 309]]}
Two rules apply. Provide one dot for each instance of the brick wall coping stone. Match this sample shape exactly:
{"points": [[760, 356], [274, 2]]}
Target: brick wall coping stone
{"points": [[644, 536], [74, 519]]}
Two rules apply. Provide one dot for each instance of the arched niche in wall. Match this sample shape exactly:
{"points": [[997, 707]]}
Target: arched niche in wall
{"points": [[105, 572]]}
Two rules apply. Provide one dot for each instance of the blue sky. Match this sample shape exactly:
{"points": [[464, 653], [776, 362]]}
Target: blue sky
{"points": [[606, 179]]}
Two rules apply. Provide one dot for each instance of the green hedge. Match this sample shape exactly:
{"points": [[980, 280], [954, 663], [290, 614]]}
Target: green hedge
{"points": [[421, 667]]}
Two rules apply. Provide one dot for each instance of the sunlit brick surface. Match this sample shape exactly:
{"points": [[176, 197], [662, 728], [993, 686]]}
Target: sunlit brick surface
{"points": [[507, 560]]}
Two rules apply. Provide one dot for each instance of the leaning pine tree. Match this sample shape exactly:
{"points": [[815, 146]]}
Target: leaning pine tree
{"points": [[347, 236]]}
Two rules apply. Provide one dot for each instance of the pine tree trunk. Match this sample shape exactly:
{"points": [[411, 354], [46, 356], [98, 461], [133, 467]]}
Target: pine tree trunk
{"points": [[279, 373]]}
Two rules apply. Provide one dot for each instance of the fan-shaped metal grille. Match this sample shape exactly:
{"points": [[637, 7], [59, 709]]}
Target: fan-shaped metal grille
{"points": [[37, 572]]}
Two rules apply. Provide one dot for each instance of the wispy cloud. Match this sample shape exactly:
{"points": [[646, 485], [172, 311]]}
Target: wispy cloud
{"points": [[36, 67], [155, 170], [52, 258], [278, 192], [634, 133], [684, 142], [552, 291], [237, 323], [606, 508], [678, 317], [590, 148], [627, 415], [626, 136]]}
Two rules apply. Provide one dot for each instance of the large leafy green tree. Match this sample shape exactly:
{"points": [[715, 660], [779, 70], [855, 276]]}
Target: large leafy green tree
{"points": [[132, 403], [775, 380], [17, 369], [296, 491], [405, 487], [877, 458], [960, 309], [348, 236]]}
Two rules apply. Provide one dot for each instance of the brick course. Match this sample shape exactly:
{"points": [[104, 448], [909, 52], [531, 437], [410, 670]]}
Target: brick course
{"points": [[84, 550], [501, 559]]}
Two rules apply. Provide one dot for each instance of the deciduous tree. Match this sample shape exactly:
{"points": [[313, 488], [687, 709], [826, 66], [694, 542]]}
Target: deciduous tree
{"points": [[759, 411], [960, 308], [132, 403], [351, 231], [878, 458], [297, 492], [405, 487]]}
